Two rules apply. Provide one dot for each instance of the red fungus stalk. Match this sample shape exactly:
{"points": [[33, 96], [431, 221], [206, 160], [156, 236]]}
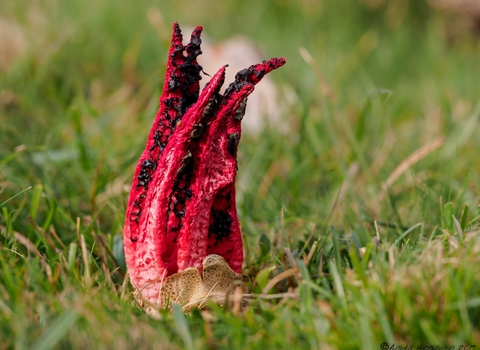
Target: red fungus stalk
{"points": [[182, 206]]}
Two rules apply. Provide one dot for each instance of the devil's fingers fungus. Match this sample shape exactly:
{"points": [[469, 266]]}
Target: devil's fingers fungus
{"points": [[181, 221]]}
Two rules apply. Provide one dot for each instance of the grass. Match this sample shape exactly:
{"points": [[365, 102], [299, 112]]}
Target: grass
{"points": [[367, 210]]}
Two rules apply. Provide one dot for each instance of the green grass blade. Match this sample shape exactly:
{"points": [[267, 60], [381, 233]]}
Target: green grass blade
{"points": [[56, 331]]}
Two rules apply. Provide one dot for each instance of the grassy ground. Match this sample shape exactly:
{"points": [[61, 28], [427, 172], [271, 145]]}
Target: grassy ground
{"points": [[369, 206]]}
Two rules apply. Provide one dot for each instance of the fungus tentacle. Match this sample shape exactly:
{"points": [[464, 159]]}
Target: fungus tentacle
{"points": [[180, 91]]}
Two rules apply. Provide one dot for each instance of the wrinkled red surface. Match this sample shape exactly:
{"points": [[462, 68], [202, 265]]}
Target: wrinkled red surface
{"points": [[182, 203]]}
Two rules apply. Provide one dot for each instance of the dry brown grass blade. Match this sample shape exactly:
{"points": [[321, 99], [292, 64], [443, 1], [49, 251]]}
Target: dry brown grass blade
{"points": [[276, 296], [325, 87], [307, 242], [310, 253], [290, 257], [268, 179], [344, 187], [85, 260], [108, 278], [383, 154], [278, 278], [23, 241], [408, 162], [237, 298], [391, 259], [108, 251], [474, 188], [54, 234], [100, 249]]}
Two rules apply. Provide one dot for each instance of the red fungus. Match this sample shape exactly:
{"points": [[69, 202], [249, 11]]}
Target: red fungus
{"points": [[182, 202]]}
